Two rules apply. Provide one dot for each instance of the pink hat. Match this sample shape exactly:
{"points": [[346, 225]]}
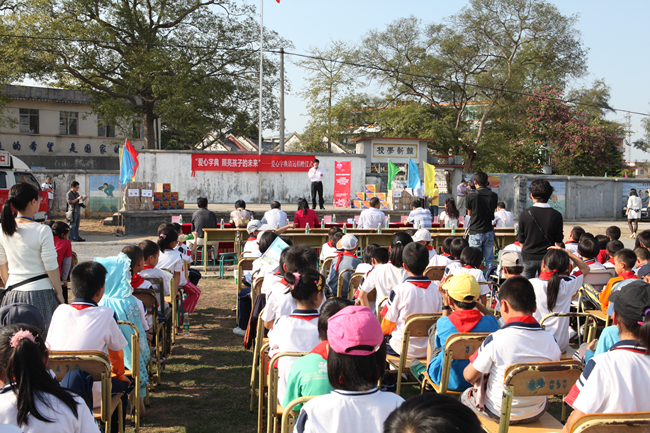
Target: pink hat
{"points": [[352, 327]]}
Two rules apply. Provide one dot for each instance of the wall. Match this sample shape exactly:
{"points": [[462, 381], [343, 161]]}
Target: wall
{"points": [[175, 167]]}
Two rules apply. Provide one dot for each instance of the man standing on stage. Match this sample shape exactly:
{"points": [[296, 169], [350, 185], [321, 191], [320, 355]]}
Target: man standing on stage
{"points": [[316, 177], [461, 202]]}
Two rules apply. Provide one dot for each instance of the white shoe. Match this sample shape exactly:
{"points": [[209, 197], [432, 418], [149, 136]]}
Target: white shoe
{"points": [[239, 331]]}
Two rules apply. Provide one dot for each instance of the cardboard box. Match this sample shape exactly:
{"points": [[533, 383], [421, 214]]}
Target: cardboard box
{"points": [[381, 196], [372, 188], [164, 205], [156, 205], [359, 196], [146, 206], [181, 204], [174, 196], [148, 185], [132, 192], [383, 205], [157, 196], [173, 204], [365, 204], [370, 195], [131, 200], [356, 204], [146, 193], [164, 187], [167, 196]]}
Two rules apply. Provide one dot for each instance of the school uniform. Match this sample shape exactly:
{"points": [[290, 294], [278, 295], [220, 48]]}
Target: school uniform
{"points": [[251, 248], [383, 278], [363, 268], [173, 260], [453, 264], [478, 275], [345, 411], [557, 326], [432, 252], [308, 376], [344, 260], [327, 250], [440, 260], [609, 264], [279, 302], [593, 265], [270, 280], [151, 272], [571, 246]]}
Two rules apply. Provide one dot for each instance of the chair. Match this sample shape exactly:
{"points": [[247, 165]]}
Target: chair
{"points": [[417, 325], [591, 333], [589, 294], [159, 288], [459, 346], [287, 415], [201, 249], [173, 300], [135, 371], [599, 279], [274, 408], [341, 281], [636, 422], [96, 364], [325, 267], [245, 264], [380, 304], [434, 273], [262, 363], [355, 282], [259, 342], [148, 298], [533, 380], [223, 258]]}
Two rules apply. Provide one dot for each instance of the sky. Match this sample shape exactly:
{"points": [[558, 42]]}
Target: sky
{"points": [[616, 35]]}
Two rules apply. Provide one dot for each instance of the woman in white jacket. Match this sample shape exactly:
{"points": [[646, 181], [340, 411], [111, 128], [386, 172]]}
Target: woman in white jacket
{"points": [[633, 212]]}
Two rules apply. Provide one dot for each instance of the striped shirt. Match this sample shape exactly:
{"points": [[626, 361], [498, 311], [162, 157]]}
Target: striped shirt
{"points": [[422, 215]]}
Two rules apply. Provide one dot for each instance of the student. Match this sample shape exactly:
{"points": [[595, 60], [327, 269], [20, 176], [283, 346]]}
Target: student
{"points": [[345, 259], [624, 261], [150, 254], [265, 239], [471, 260], [422, 236], [602, 244], [503, 218], [372, 218], [512, 264], [240, 216], [432, 413], [614, 381], [366, 259], [613, 233], [134, 253], [305, 216], [574, 239], [461, 313], [589, 249], [63, 246], [252, 246], [419, 217], [386, 276], [32, 399], [297, 332], [522, 339], [329, 248], [445, 258], [456, 248], [642, 259], [449, 217], [308, 374], [193, 275], [356, 361], [380, 256], [554, 290], [417, 294], [612, 248], [276, 277]]}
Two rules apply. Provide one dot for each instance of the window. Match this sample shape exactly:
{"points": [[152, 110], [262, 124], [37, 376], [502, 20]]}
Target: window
{"points": [[28, 121], [3, 180], [138, 130], [104, 129], [68, 123], [27, 178]]}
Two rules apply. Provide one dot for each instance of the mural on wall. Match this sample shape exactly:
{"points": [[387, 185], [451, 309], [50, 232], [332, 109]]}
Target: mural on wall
{"points": [[642, 189], [105, 194], [558, 199]]}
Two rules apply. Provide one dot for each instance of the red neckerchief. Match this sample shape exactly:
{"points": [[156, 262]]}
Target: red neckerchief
{"points": [[546, 275], [590, 261], [522, 319], [571, 242], [628, 276], [429, 247], [465, 320], [251, 239], [276, 272], [136, 281], [446, 255], [339, 257], [82, 304], [611, 261], [321, 349], [421, 282], [468, 267], [148, 267], [329, 244], [517, 243], [602, 256]]}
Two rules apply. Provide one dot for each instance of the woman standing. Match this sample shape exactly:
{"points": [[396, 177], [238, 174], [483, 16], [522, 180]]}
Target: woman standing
{"points": [[633, 212], [305, 216], [450, 214], [28, 259]]}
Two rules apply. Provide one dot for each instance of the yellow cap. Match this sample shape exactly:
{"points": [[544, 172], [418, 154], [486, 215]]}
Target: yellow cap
{"points": [[462, 288]]}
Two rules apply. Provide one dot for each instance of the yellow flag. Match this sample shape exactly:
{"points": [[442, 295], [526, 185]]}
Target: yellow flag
{"points": [[429, 178]]}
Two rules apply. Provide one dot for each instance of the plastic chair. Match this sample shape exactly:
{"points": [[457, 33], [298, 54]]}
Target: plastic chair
{"points": [[325, 268], [159, 288], [257, 355], [200, 249], [226, 257], [636, 422], [135, 372]]}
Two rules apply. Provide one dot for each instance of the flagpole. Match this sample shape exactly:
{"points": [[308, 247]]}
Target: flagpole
{"points": [[259, 135]]}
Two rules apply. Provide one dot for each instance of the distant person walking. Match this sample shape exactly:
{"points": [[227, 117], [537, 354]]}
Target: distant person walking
{"points": [[633, 212], [75, 202], [461, 202], [316, 176], [48, 186]]}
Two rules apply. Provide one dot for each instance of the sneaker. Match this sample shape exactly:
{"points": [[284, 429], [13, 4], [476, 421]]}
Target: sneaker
{"points": [[417, 368], [239, 331]]}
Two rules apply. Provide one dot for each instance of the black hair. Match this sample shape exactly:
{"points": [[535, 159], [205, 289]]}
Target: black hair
{"points": [[642, 254], [416, 203], [315, 160], [374, 202], [381, 255], [450, 208], [240, 204], [416, 258], [20, 196], [541, 190], [87, 278], [432, 413], [446, 244], [613, 232], [303, 206], [514, 270], [332, 231], [327, 310], [300, 256], [501, 205], [588, 248], [202, 202], [481, 178], [576, 232], [134, 253], [287, 240], [642, 239], [336, 238], [60, 229], [397, 244], [275, 205], [519, 293], [367, 253], [586, 235], [149, 248], [411, 232], [166, 237], [282, 261], [307, 286], [354, 372], [640, 331], [74, 183], [23, 370], [178, 228], [471, 256], [633, 192], [265, 241], [602, 241], [457, 247], [164, 226], [626, 256], [613, 247], [557, 261], [49, 223]]}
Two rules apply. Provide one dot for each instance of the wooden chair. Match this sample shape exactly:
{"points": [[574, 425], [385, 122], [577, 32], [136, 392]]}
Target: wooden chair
{"points": [[636, 422], [325, 267], [256, 288], [459, 346], [287, 415], [434, 273], [534, 380], [355, 282], [274, 409], [135, 371], [341, 281], [244, 264], [148, 298], [98, 365], [589, 328], [417, 325], [380, 305], [159, 288], [172, 300], [263, 361], [257, 355]]}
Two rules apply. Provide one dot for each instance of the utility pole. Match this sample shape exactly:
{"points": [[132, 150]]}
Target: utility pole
{"points": [[628, 123], [281, 100], [259, 134]]}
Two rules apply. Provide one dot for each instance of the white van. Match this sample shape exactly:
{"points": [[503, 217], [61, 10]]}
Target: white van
{"points": [[13, 171]]}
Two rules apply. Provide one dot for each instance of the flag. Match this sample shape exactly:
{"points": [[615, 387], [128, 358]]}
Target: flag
{"points": [[128, 163], [625, 174], [605, 174], [413, 177], [429, 179], [392, 172]]}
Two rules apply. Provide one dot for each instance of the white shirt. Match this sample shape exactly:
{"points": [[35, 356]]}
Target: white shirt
{"points": [[172, 260], [316, 174], [371, 218], [327, 251], [503, 216], [29, 252], [269, 281], [515, 342], [251, 249], [422, 215], [278, 302], [347, 412], [478, 275], [439, 260], [406, 299], [48, 187], [383, 278], [275, 217], [363, 268], [444, 218], [557, 326], [572, 247], [157, 273], [453, 264]]}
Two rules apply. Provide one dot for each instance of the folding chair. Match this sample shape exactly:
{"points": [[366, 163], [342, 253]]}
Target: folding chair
{"points": [[148, 298], [417, 325], [287, 415], [459, 346], [256, 288], [434, 273], [589, 328], [274, 409], [355, 282], [173, 300], [325, 267], [341, 281], [636, 422], [245, 264], [263, 385], [98, 365], [589, 294], [599, 279], [159, 288], [135, 371], [532, 379], [259, 342]]}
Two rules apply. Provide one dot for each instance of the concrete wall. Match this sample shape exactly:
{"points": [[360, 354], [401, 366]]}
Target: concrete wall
{"points": [[175, 167]]}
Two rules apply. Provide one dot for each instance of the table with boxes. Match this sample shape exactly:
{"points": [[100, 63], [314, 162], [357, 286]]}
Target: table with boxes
{"points": [[149, 196], [391, 200]]}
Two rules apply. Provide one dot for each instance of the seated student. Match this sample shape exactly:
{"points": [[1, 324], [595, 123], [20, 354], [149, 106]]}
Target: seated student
{"points": [[308, 374], [589, 249], [602, 244], [624, 261], [554, 289], [614, 381], [355, 362], [276, 277], [386, 276], [642, 259], [612, 248], [522, 339], [32, 399], [193, 274], [643, 240], [252, 246], [366, 259], [613, 233], [432, 413], [345, 259], [471, 259], [422, 236], [266, 239], [461, 313], [297, 332], [503, 218], [150, 254], [419, 216], [456, 248], [445, 258], [136, 257], [63, 246], [84, 325], [380, 256], [417, 294], [329, 248], [574, 239]]}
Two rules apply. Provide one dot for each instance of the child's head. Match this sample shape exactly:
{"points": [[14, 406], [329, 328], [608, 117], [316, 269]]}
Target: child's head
{"points": [[167, 239], [642, 256], [60, 230], [540, 190], [367, 253], [336, 238], [397, 244], [415, 258], [357, 351], [300, 257], [281, 262], [512, 264], [327, 310], [613, 247], [588, 248], [410, 232], [432, 413], [602, 241], [457, 247], [643, 239], [644, 273], [463, 291], [613, 233], [422, 236], [87, 280], [586, 235], [576, 232], [624, 260], [164, 226], [137, 258], [446, 245], [150, 252], [306, 287], [347, 242], [517, 297], [253, 227], [557, 262], [178, 228], [240, 204], [331, 232], [471, 256], [632, 311], [380, 256], [265, 241]]}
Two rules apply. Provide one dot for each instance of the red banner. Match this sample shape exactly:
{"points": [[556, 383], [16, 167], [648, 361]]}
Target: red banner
{"points": [[342, 180], [4, 196], [251, 162]]}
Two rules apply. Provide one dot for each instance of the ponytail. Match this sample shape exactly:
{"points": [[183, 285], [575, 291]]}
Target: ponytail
{"points": [[166, 237], [644, 333], [304, 285], [20, 196], [397, 244], [557, 261]]}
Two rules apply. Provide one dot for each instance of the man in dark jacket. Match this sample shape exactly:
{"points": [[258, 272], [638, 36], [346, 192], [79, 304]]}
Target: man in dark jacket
{"points": [[481, 204]]}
